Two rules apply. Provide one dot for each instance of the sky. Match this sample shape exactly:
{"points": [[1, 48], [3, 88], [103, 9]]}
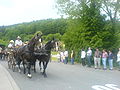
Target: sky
{"points": [[19, 11]]}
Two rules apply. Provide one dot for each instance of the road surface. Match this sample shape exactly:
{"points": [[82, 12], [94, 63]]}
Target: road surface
{"points": [[67, 77]]}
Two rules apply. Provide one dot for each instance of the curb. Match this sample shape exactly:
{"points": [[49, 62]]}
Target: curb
{"points": [[10, 79]]}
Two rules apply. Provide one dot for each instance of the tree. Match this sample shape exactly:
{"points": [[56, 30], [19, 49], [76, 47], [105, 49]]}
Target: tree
{"points": [[57, 36], [96, 31], [88, 30], [112, 9], [73, 7], [27, 30]]}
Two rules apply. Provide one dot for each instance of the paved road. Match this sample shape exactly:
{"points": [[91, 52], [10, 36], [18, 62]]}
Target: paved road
{"points": [[68, 77]]}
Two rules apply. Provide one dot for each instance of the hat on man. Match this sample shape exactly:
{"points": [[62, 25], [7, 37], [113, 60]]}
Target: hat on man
{"points": [[18, 37], [11, 41]]}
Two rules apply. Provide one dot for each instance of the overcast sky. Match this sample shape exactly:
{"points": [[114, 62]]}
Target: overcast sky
{"points": [[18, 11]]}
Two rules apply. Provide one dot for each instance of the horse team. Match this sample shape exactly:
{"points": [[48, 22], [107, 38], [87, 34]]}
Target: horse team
{"points": [[28, 55]]}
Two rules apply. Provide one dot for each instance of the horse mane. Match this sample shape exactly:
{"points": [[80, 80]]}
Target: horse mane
{"points": [[47, 44], [34, 41]]}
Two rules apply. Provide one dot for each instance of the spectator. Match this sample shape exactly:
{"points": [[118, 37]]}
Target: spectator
{"points": [[66, 57], [89, 56], [118, 58], [72, 57], [97, 58], [62, 56], [104, 59], [110, 60], [0, 53], [83, 54]]}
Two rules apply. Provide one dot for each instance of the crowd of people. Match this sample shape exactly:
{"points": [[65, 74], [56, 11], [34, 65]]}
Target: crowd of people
{"points": [[86, 57], [100, 59]]}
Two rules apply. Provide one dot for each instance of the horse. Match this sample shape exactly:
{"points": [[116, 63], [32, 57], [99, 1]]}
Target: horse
{"points": [[25, 54], [43, 55], [4, 54]]}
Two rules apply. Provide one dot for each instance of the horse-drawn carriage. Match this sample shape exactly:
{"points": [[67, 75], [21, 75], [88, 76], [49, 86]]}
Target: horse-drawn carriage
{"points": [[11, 58], [28, 55], [3, 52]]}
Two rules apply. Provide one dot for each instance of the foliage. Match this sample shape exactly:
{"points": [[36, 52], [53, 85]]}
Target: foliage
{"points": [[86, 31], [4, 42], [27, 30], [57, 36], [88, 26]]}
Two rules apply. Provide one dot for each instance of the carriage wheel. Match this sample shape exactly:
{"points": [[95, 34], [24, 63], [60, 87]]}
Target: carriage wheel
{"points": [[13, 67], [9, 62], [13, 64]]}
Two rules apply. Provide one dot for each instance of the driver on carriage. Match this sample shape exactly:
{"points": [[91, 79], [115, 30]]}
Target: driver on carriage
{"points": [[11, 44], [18, 42]]}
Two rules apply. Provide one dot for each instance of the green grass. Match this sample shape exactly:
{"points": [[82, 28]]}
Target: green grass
{"points": [[54, 59], [54, 53]]}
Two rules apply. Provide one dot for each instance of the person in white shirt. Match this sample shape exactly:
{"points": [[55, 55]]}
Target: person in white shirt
{"points": [[18, 42], [89, 55], [118, 58], [62, 56], [83, 54], [66, 57], [11, 44], [10, 49]]}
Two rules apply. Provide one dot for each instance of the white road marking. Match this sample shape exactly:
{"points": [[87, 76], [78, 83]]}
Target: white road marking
{"points": [[112, 86], [106, 87], [99, 87]]}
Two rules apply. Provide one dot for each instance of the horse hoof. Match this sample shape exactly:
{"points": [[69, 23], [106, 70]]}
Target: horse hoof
{"points": [[40, 69], [42, 73], [45, 76], [29, 75], [34, 71]]}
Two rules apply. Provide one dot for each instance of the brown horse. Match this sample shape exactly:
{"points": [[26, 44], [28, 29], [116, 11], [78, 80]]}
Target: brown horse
{"points": [[26, 54]]}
